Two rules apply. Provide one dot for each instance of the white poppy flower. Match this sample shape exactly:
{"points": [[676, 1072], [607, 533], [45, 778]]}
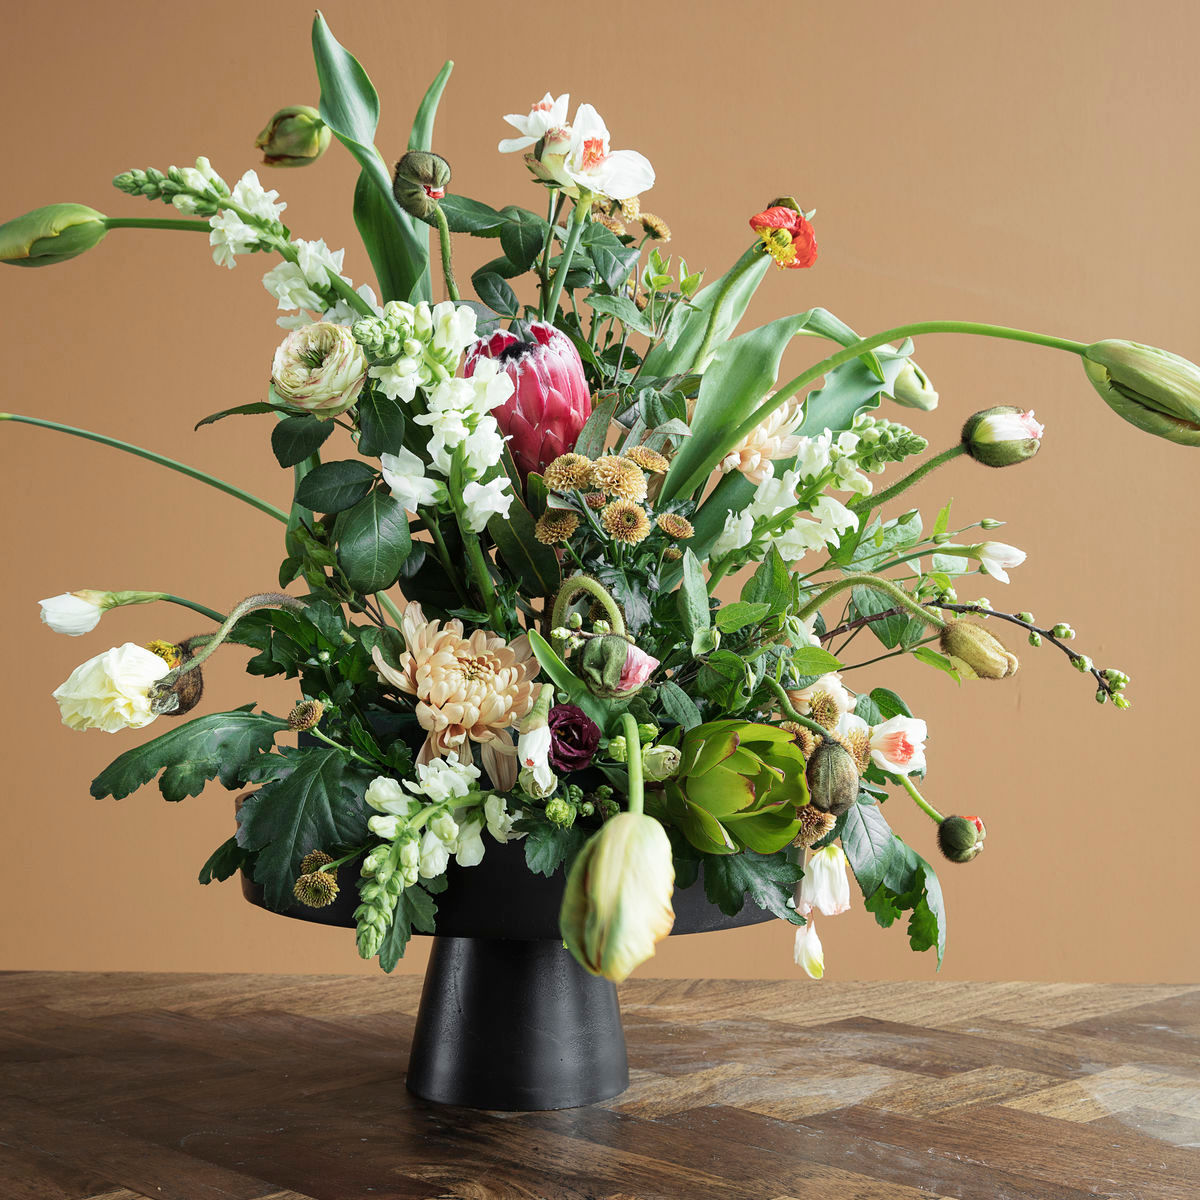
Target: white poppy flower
{"points": [[997, 557], [545, 115], [111, 691]]}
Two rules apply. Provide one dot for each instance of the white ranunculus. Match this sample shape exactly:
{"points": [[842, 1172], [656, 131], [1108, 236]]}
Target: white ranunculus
{"points": [[997, 557], [545, 115], [111, 691], [807, 952], [898, 745], [74, 613], [825, 886], [404, 473], [333, 384], [482, 501]]}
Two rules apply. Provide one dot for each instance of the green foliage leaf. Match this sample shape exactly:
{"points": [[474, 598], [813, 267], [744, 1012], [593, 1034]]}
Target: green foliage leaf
{"points": [[296, 438], [932, 658], [496, 294], [549, 846], [415, 909], [889, 704], [740, 614], [465, 215], [678, 705], [624, 310], [867, 841], [567, 681], [771, 583], [226, 860], [813, 660], [522, 237], [767, 879], [317, 805], [534, 565], [218, 745], [240, 410], [380, 423], [612, 259], [911, 885], [335, 486], [594, 433], [868, 602], [692, 597], [373, 542]]}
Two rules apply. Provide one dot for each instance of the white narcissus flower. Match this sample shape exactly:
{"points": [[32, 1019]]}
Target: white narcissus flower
{"points": [[319, 368], [997, 557], [807, 951], [404, 473], [74, 613], [825, 886], [578, 159], [546, 114], [111, 691], [482, 501]]}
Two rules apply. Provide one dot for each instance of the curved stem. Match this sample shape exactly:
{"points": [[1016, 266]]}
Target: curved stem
{"points": [[155, 223], [710, 330], [162, 460], [785, 706], [213, 641], [633, 743], [447, 266], [867, 503], [899, 333], [897, 594], [574, 232], [598, 592], [920, 801], [202, 609]]}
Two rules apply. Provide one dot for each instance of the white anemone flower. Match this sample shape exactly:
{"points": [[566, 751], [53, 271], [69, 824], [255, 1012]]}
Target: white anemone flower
{"points": [[997, 557], [825, 886], [898, 745], [548, 113]]}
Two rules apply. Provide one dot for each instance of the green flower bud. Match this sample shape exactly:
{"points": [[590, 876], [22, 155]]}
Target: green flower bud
{"points": [[601, 663], [1063, 632], [990, 523], [1153, 389], [420, 182], [1035, 639], [1101, 695], [51, 235], [960, 839], [618, 749], [1121, 702], [617, 901], [1001, 436], [912, 388], [832, 778], [294, 137], [1027, 617], [537, 790], [1082, 664], [647, 732], [660, 762], [976, 652], [560, 813]]}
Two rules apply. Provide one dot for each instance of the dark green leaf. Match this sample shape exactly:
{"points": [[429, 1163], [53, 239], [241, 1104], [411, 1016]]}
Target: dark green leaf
{"points": [[373, 542], [318, 805], [889, 704], [770, 584], [624, 310], [522, 236], [296, 438], [767, 879], [548, 847], [496, 294], [240, 410], [594, 434], [534, 565], [415, 909], [335, 486], [226, 860], [692, 597], [380, 423], [740, 614], [464, 215], [218, 745], [612, 259], [868, 602], [867, 841], [678, 705]]}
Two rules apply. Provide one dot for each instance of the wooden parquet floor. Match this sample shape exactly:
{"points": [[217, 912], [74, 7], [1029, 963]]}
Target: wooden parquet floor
{"points": [[207, 1087]]}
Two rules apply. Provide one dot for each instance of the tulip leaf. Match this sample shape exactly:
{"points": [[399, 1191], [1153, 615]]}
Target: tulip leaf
{"points": [[867, 841], [594, 434], [317, 804], [335, 486], [566, 680], [534, 565], [766, 880], [218, 745], [296, 438], [380, 424], [495, 293], [373, 541]]}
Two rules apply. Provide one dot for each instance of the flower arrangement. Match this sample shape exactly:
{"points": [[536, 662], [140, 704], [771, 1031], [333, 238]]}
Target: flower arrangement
{"points": [[573, 567]]}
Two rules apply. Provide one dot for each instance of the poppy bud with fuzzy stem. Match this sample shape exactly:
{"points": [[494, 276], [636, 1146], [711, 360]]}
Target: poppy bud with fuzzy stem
{"points": [[976, 652], [183, 693], [1002, 436], [832, 778], [960, 839], [420, 182]]}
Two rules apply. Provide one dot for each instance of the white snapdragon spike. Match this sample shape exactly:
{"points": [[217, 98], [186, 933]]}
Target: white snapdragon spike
{"points": [[830, 685], [533, 751], [292, 289], [590, 165], [997, 557], [317, 261], [111, 692], [482, 501], [386, 795], [850, 479], [385, 826], [74, 613], [499, 819], [813, 455], [825, 886], [834, 517], [404, 473], [452, 329], [468, 846], [444, 779], [435, 855], [545, 115], [400, 380], [775, 495], [736, 534], [249, 194], [801, 536], [230, 236], [807, 952]]}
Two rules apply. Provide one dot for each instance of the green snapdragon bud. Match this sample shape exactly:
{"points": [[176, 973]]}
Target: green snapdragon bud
{"points": [[51, 235], [1153, 389], [294, 137]]}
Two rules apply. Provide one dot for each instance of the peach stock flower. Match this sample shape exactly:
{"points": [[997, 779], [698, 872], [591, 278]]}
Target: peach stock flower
{"points": [[475, 688]]}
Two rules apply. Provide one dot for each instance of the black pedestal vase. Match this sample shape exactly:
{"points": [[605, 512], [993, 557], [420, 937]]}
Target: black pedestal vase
{"points": [[508, 1019]]}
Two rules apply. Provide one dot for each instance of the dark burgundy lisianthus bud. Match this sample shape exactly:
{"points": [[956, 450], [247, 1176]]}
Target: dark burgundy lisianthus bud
{"points": [[574, 737]]}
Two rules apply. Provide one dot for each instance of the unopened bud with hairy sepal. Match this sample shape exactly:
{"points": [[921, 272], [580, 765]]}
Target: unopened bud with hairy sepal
{"points": [[1153, 389], [960, 839], [976, 652], [179, 693], [51, 234], [832, 778], [294, 137], [1002, 436], [305, 716], [420, 181]]}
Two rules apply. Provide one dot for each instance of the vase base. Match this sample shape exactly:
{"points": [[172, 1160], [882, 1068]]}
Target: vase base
{"points": [[517, 1026]]}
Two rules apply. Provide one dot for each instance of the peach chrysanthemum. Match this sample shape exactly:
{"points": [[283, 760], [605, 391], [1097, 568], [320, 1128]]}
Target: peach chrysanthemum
{"points": [[567, 473], [475, 687], [555, 525], [618, 476], [647, 459], [625, 522], [774, 438], [675, 526]]}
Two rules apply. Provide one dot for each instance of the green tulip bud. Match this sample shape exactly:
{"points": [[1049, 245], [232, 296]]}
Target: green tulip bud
{"points": [[420, 182], [960, 839], [1153, 389], [912, 388], [51, 235], [1002, 436], [832, 778], [294, 137], [976, 652], [617, 901]]}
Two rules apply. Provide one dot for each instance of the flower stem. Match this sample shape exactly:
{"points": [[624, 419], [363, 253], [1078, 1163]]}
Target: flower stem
{"points": [[391, 609], [785, 706], [229, 488], [477, 561], [447, 266], [202, 609], [867, 503], [574, 231], [354, 754], [900, 332], [897, 594], [920, 801], [735, 272], [154, 223], [598, 592], [213, 641], [633, 743]]}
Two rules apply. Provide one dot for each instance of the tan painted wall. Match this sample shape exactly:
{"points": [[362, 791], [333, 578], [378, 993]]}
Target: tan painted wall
{"points": [[1029, 163]]}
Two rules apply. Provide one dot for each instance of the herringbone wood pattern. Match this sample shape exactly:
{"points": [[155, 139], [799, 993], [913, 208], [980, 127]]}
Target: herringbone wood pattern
{"points": [[207, 1087]]}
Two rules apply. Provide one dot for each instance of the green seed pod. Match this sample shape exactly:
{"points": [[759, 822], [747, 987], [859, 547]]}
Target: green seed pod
{"points": [[832, 778], [1002, 436]]}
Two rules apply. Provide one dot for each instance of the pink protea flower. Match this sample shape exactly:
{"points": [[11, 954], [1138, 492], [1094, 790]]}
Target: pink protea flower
{"points": [[550, 400]]}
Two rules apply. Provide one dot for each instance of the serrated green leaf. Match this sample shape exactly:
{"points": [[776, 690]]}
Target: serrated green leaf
{"points": [[415, 909], [943, 519], [225, 861], [296, 438], [335, 486], [373, 542], [770, 584], [214, 746], [767, 879], [548, 846]]}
